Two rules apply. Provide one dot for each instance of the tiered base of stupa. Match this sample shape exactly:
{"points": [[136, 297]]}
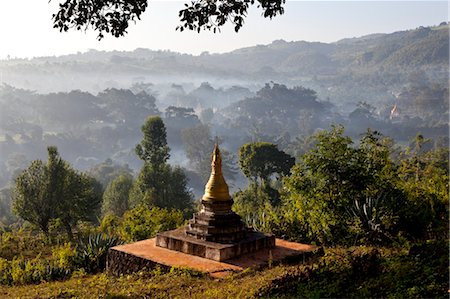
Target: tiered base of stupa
{"points": [[215, 233], [178, 240]]}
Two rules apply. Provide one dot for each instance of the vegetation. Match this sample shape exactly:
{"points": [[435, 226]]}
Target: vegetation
{"points": [[377, 204], [357, 272], [113, 16], [115, 197], [341, 194], [44, 192], [158, 184], [198, 143], [259, 161], [142, 223], [380, 211]]}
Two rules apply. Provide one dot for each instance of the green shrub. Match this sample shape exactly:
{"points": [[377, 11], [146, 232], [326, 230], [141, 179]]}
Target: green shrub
{"points": [[141, 223], [110, 224], [21, 271], [91, 252], [65, 256], [255, 206], [5, 272]]}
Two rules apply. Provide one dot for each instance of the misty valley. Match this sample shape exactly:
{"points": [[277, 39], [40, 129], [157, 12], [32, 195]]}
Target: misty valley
{"points": [[342, 145]]}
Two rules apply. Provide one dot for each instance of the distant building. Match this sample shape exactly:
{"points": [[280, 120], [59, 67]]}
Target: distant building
{"points": [[394, 112]]}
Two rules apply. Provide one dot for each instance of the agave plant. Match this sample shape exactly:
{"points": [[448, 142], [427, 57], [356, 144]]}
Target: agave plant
{"points": [[370, 211], [92, 251]]}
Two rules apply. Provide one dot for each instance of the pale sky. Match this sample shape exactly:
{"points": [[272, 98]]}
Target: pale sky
{"points": [[26, 26]]}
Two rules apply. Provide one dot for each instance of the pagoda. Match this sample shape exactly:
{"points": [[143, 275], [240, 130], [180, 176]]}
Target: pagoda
{"points": [[216, 232]]}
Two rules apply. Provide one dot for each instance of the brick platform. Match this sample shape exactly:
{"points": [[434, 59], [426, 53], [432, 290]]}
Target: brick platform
{"points": [[133, 257]]}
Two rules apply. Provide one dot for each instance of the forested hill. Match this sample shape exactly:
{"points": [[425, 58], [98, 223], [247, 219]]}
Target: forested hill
{"points": [[422, 46], [377, 59]]}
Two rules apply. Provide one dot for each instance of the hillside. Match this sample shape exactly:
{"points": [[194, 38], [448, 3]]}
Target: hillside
{"points": [[355, 272], [369, 58]]}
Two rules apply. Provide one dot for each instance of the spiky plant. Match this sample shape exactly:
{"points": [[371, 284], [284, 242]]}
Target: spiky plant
{"points": [[92, 251]]}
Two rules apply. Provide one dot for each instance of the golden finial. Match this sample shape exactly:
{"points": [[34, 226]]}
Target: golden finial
{"points": [[216, 189]]}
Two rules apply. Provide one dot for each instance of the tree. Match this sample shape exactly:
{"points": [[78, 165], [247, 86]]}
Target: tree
{"points": [[337, 191], [113, 16], [126, 106], [54, 190], [115, 197], [31, 200], [158, 184], [198, 143], [261, 160], [153, 149], [424, 178], [107, 171], [80, 200], [277, 109]]}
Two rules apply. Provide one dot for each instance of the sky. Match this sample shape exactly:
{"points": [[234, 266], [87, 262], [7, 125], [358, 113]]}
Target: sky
{"points": [[26, 26]]}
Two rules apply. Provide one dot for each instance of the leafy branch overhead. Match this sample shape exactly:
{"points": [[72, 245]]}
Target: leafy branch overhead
{"points": [[113, 16]]}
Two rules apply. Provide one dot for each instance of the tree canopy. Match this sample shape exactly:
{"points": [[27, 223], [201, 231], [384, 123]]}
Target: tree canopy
{"points": [[260, 160], [153, 148], [115, 197], [46, 191], [114, 16], [158, 184]]}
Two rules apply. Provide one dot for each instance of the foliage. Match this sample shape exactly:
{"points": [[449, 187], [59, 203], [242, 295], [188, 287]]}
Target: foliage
{"points": [[124, 105], [261, 160], [178, 119], [65, 256], [107, 171], [357, 272], [199, 144], [424, 178], [91, 252], [158, 184], [30, 199], [24, 241], [109, 225], [21, 271], [113, 16], [276, 110], [254, 205], [334, 183], [54, 190], [211, 15], [153, 148], [368, 272], [115, 197], [165, 187], [142, 223]]}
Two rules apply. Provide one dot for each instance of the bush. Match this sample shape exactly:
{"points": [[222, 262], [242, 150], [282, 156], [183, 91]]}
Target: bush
{"points": [[65, 256], [110, 224], [21, 271], [254, 206], [91, 252], [141, 223]]}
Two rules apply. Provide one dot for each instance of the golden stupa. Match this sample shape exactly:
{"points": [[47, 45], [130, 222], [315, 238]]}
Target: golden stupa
{"points": [[215, 232], [216, 189]]}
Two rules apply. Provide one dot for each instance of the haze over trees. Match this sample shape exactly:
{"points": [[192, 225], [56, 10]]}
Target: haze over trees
{"points": [[342, 145]]}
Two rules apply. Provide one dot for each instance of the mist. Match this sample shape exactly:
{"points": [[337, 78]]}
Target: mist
{"points": [[91, 105]]}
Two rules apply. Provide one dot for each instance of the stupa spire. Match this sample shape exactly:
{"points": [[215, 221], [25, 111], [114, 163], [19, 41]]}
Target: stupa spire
{"points": [[216, 189]]}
